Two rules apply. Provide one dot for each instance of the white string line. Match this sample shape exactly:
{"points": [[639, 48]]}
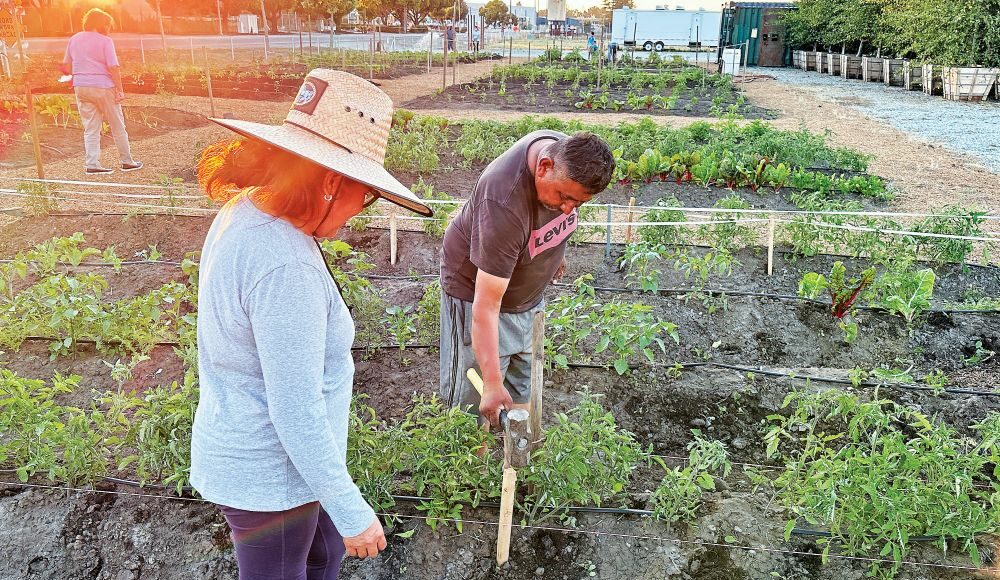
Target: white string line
{"points": [[98, 183], [461, 202], [114, 203], [545, 528], [11, 193], [127, 195], [888, 231]]}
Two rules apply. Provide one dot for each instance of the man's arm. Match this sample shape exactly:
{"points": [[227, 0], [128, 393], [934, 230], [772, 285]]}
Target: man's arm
{"points": [[486, 344]]}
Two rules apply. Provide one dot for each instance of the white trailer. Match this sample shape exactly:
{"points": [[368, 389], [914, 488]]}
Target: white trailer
{"points": [[664, 29]]}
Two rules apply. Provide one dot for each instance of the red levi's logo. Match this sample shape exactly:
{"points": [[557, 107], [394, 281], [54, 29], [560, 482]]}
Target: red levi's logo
{"points": [[552, 234]]}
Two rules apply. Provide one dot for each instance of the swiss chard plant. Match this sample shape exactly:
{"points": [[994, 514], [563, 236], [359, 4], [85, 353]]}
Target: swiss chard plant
{"points": [[843, 292]]}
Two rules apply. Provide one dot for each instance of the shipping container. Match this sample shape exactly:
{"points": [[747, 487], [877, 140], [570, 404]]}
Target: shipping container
{"points": [[757, 27]]}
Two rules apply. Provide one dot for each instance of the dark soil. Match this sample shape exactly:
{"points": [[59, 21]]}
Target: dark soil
{"points": [[693, 100], [96, 536], [61, 142]]}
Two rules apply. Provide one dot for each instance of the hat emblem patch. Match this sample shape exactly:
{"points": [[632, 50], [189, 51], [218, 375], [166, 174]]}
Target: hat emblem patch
{"points": [[306, 94]]}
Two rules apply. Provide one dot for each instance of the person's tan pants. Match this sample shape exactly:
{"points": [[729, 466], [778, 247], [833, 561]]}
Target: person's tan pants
{"points": [[97, 106]]}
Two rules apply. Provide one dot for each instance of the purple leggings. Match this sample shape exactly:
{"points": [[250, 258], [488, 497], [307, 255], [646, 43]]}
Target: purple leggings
{"points": [[297, 544]]}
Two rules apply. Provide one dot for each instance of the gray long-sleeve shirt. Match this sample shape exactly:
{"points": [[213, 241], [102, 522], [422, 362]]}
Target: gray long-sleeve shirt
{"points": [[276, 373]]}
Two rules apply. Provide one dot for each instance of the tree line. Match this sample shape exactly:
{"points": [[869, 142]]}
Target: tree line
{"points": [[944, 32]]}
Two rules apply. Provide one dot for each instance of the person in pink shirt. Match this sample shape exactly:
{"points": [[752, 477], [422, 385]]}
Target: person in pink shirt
{"points": [[91, 59]]}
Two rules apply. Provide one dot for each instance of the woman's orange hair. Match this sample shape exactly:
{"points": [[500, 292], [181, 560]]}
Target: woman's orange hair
{"points": [[289, 187]]}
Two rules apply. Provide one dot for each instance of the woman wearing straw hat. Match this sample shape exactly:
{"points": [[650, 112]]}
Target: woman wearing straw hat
{"points": [[274, 335]]}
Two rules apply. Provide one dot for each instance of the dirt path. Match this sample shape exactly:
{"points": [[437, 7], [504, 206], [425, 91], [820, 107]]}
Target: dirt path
{"points": [[925, 175]]}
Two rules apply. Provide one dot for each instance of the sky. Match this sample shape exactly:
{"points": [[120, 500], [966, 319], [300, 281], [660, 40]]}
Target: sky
{"points": [[713, 5]]}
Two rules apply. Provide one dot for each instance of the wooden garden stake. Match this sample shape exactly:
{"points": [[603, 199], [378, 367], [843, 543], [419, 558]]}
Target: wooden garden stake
{"points": [[516, 452], [208, 77], [392, 239], [142, 51], [607, 239], [444, 69], [36, 146], [310, 31], [232, 48], [770, 244], [192, 50], [537, 379], [506, 514], [628, 228]]}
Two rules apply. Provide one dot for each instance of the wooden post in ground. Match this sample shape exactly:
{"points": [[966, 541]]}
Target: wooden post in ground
{"points": [[393, 240], [310, 31], [770, 244], [298, 29], [208, 77], [444, 69], [142, 52], [607, 240], [430, 49], [232, 48], [191, 39], [628, 228], [537, 380], [36, 146]]}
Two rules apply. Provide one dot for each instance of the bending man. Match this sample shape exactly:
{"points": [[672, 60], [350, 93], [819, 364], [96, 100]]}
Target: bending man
{"points": [[501, 252]]}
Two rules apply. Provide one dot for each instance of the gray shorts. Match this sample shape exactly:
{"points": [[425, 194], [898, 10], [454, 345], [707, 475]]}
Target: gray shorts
{"points": [[457, 357]]}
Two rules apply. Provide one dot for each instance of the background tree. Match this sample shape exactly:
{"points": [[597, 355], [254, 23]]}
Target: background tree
{"points": [[272, 8], [608, 6], [495, 13], [448, 12], [336, 10], [857, 23]]}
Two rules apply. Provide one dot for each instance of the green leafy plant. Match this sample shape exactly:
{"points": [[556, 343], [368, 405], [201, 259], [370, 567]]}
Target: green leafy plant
{"points": [[401, 324], [679, 494], [586, 459], [903, 290], [877, 474], [443, 462], [639, 260]]}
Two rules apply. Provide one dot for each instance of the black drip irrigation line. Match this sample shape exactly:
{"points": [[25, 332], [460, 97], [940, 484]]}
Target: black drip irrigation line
{"points": [[791, 297], [622, 290], [770, 373], [644, 366], [414, 499]]}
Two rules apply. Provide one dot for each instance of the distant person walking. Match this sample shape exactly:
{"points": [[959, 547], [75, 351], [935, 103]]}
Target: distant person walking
{"points": [[451, 38], [476, 38], [592, 46], [93, 62]]}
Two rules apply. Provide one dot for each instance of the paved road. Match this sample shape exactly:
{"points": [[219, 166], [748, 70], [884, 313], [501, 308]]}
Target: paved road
{"points": [[390, 41]]}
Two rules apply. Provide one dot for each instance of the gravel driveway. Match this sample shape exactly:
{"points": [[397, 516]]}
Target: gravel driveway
{"points": [[971, 128]]}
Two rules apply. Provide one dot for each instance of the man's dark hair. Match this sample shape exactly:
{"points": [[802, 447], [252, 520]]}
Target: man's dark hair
{"points": [[96, 20], [586, 159]]}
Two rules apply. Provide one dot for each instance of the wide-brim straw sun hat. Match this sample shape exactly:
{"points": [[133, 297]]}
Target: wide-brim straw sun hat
{"points": [[341, 122]]}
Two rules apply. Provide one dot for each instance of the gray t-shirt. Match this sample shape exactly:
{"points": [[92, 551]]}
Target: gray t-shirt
{"points": [[503, 230], [276, 373]]}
